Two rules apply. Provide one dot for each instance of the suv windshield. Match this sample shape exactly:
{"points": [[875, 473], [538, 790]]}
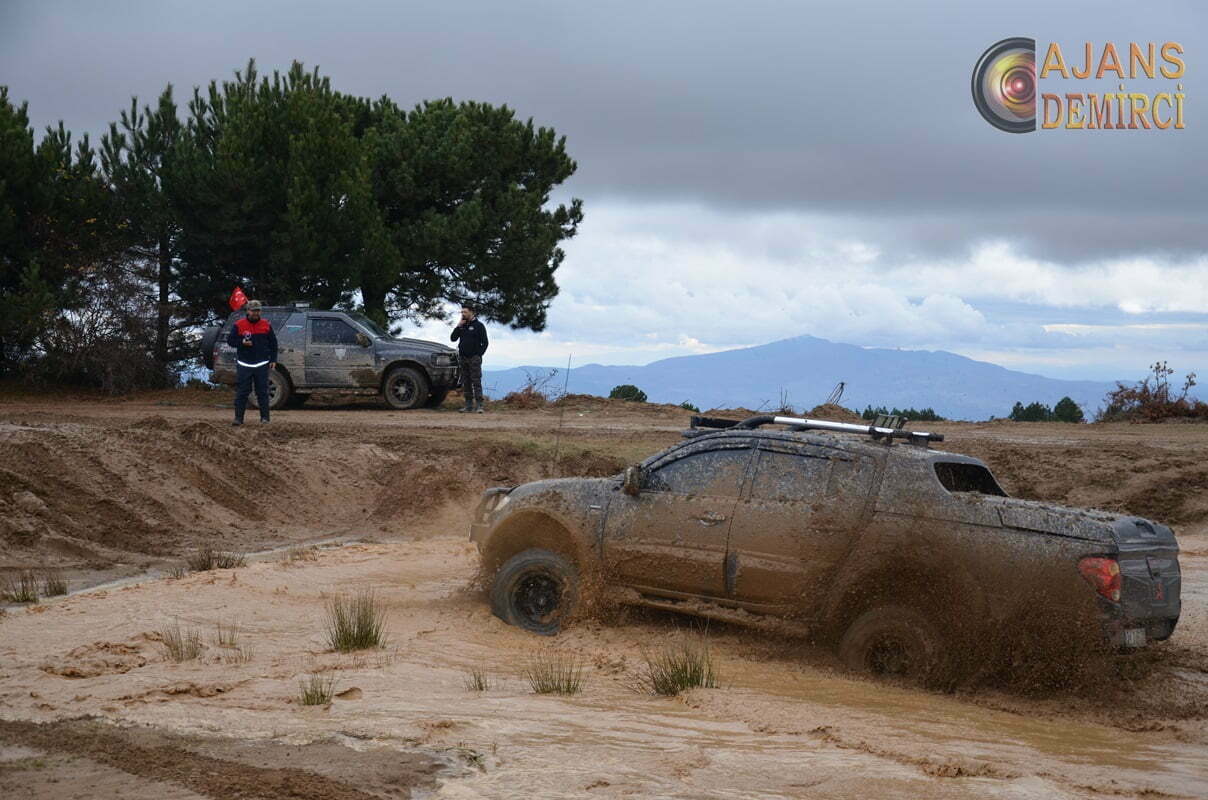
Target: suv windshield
{"points": [[368, 323]]}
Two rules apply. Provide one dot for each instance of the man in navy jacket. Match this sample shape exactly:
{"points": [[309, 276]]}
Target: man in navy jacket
{"points": [[471, 338], [255, 346]]}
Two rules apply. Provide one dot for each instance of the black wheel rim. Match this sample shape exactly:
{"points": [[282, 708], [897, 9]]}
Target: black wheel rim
{"points": [[538, 598], [402, 389], [889, 655]]}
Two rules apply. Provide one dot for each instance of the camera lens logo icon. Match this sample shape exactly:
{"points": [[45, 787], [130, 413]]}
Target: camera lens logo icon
{"points": [[1004, 85]]}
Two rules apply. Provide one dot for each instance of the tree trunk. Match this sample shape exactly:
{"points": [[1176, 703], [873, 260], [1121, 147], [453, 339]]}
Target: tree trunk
{"points": [[163, 318], [373, 297]]}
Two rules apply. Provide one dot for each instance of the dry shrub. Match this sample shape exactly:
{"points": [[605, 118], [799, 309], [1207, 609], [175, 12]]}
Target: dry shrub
{"points": [[478, 679], [534, 393], [53, 583], [207, 558], [1152, 400], [181, 645]]}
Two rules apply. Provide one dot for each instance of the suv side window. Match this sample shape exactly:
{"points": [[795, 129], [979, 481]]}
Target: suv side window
{"points": [[326, 330], [717, 473], [787, 477]]}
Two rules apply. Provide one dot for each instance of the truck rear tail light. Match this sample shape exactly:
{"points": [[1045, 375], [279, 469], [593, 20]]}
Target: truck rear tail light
{"points": [[1103, 574]]}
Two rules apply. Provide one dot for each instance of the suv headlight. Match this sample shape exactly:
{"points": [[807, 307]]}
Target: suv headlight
{"points": [[442, 359]]}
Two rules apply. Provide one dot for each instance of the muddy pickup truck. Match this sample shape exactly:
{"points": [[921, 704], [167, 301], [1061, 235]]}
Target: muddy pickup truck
{"points": [[340, 352], [863, 536]]}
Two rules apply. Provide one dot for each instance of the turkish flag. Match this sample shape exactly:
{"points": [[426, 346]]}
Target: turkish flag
{"points": [[238, 299]]}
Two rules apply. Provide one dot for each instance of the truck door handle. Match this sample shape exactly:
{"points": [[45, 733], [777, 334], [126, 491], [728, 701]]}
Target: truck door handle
{"points": [[711, 518]]}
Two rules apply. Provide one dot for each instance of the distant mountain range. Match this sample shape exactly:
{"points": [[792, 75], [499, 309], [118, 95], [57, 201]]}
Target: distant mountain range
{"points": [[807, 368]]}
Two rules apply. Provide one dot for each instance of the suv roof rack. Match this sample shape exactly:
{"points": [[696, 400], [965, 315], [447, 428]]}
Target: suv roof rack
{"points": [[876, 431]]}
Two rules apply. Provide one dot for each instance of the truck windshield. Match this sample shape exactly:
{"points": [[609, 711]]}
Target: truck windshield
{"points": [[370, 324], [958, 476]]}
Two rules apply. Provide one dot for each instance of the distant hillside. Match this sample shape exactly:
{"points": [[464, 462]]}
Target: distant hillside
{"points": [[807, 368]]}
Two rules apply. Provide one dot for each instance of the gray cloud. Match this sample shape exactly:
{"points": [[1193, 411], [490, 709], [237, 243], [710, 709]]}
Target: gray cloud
{"points": [[860, 111]]}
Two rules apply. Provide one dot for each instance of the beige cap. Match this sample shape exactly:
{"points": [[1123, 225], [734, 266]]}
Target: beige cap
{"points": [[253, 304]]}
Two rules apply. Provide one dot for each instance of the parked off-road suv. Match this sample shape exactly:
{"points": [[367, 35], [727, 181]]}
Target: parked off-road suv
{"points": [[876, 547], [340, 351]]}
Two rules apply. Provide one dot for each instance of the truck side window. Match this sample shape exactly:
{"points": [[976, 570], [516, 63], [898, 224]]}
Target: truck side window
{"points": [[786, 477], [717, 473], [332, 331]]}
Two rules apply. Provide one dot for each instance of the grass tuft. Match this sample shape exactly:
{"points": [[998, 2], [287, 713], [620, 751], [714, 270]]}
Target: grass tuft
{"points": [[478, 679], [239, 654], [181, 645], [226, 634], [676, 667], [316, 690], [53, 583], [21, 588], [356, 622], [295, 554], [207, 558], [552, 672], [178, 571]]}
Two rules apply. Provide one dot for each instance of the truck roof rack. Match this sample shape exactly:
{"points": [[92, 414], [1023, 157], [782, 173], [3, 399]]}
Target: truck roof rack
{"points": [[888, 428]]}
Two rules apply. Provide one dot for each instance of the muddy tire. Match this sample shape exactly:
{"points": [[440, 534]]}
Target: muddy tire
{"points": [[537, 590], [278, 391], [436, 398], [895, 642], [405, 388]]}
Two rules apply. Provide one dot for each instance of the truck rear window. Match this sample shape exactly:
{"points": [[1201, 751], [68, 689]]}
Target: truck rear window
{"points": [[958, 476]]}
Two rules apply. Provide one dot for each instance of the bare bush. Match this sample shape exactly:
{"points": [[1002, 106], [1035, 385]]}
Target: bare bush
{"points": [[1152, 400], [534, 393]]}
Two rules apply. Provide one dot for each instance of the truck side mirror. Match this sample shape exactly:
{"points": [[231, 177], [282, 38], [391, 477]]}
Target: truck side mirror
{"points": [[632, 484], [363, 340]]}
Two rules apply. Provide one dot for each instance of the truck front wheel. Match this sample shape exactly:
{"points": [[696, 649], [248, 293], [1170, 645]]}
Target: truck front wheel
{"points": [[405, 388]]}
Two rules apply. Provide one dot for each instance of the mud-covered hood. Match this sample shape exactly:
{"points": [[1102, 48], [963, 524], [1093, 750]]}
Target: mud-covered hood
{"points": [[571, 490], [411, 346]]}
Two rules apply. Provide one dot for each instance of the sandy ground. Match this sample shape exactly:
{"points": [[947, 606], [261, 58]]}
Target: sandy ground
{"points": [[129, 487]]}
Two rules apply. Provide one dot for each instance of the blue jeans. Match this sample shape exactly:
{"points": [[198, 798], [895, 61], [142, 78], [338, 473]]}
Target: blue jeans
{"points": [[245, 377]]}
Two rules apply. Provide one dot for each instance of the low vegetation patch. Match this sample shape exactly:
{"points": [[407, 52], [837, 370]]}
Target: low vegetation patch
{"points": [[683, 665], [53, 583], [295, 554], [21, 588], [316, 690], [1152, 400], [356, 622], [207, 558], [552, 672], [182, 645], [478, 679], [226, 634]]}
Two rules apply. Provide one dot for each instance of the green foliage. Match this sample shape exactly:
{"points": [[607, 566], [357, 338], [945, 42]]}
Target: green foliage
{"points": [[21, 588], [355, 623], [1067, 410], [676, 667], [1033, 412], [553, 672], [627, 391], [689, 407], [316, 690], [908, 414]]}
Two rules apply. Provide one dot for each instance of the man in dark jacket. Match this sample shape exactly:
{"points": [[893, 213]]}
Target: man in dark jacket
{"points": [[471, 338], [255, 346]]}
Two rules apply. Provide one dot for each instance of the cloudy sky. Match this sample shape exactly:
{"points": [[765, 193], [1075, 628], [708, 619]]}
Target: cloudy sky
{"points": [[751, 171]]}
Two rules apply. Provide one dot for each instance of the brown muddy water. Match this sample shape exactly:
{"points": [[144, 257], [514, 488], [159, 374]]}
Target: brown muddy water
{"points": [[784, 723]]}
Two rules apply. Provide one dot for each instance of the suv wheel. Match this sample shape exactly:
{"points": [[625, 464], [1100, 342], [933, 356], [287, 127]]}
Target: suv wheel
{"points": [[536, 590], [896, 642], [405, 388], [278, 391]]}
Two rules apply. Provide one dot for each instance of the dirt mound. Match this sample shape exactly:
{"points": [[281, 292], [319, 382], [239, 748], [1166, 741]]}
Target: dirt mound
{"points": [[835, 412], [155, 487], [593, 403], [98, 658]]}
